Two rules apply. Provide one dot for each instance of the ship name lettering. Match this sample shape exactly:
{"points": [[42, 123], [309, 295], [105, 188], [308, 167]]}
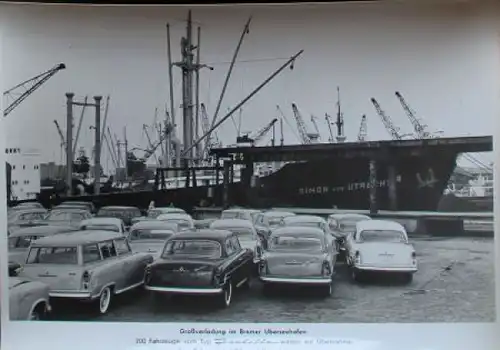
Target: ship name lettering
{"points": [[314, 190]]}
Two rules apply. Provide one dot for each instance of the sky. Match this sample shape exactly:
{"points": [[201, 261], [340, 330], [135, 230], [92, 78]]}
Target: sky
{"points": [[446, 67]]}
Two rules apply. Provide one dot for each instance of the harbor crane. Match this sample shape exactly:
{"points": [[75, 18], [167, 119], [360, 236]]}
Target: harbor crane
{"points": [[393, 130], [212, 140], [421, 130], [316, 128], [363, 130], [329, 122], [21, 91], [259, 135], [150, 143], [61, 136], [305, 136]]}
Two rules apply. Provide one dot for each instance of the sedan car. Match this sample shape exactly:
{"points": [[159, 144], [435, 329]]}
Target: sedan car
{"points": [[298, 256], [69, 216], [26, 217], [247, 235], [150, 236], [185, 221], [125, 213], [269, 220], [20, 241], [309, 221], [380, 246], [107, 224], [87, 205], [240, 213], [202, 262], [155, 212], [28, 300]]}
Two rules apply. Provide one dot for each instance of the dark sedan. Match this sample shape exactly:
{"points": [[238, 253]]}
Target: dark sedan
{"points": [[201, 262], [298, 256]]}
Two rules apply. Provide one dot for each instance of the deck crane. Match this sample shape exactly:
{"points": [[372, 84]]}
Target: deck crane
{"points": [[22, 90], [150, 143], [420, 128], [363, 130], [259, 135], [329, 122], [316, 128], [305, 136], [393, 130], [61, 136], [213, 140]]}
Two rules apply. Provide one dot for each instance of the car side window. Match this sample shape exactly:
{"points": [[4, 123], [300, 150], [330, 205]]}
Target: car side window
{"points": [[229, 247], [90, 253], [107, 249], [122, 246], [235, 243]]}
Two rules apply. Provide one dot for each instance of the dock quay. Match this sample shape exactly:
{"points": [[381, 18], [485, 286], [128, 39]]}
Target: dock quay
{"points": [[417, 223]]}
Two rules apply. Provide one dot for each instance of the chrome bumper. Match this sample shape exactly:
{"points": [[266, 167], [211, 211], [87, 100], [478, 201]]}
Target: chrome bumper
{"points": [[409, 269], [184, 290], [326, 280], [71, 294]]}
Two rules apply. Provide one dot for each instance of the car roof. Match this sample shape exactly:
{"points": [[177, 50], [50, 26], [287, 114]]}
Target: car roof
{"points": [[298, 231], [101, 220], [41, 230], [72, 209], [203, 234], [76, 238], [231, 223], [379, 225], [304, 218], [153, 224], [174, 216], [116, 207], [239, 210], [169, 209], [349, 216], [274, 213], [30, 210]]}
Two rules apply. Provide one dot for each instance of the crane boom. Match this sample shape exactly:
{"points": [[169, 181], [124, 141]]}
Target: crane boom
{"points": [[150, 143], [420, 128], [330, 130], [389, 125], [263, 132], [315, 124], [28, 86], [301, 126], [363, 130], [59, 131]]}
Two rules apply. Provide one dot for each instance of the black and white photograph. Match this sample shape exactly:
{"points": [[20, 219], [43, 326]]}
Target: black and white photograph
{"points": [[298, 164]]}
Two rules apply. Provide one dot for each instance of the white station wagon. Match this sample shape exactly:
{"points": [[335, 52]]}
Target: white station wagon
{"points": [[380, 246], [86, 266]]}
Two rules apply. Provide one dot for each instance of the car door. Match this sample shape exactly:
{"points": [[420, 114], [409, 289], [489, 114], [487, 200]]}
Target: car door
{"points": [[132, 265], [241, 268]]}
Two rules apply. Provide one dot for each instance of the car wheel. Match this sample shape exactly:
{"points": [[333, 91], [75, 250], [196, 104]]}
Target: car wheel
{"points": [[38, 313], [327, 290], [105, 300], [227, 295]]}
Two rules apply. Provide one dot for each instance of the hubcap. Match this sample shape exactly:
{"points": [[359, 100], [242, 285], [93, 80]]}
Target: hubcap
{"points": [[34, 316]]}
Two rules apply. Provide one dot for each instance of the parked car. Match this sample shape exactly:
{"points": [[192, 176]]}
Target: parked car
{"points": [[20, 241], [269, 220], [150, 236], [341, 225], [247, 235], [69, 216], [153, 213], [86, 266], [309, 221], [26, 217], [87, 205], [206, 262], [298, 256], [184, 221], [380, 246], [27, 205], [203, 223], [28, 300], [106, 224], [125, 213], [240, 213]]}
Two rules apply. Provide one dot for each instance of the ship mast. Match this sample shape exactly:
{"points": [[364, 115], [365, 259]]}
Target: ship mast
{"points": [[340, 120]]}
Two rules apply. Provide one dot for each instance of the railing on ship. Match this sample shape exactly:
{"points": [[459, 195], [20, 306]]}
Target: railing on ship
{"points": [[174, 177]]}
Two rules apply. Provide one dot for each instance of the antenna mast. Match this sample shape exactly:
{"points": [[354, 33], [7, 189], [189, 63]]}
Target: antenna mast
{"points": [[340, 120]]}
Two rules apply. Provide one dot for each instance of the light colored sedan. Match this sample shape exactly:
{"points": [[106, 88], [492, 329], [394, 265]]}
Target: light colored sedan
{"points": [[155, 212], [310, 221], [28, 300], [107, 224], [185, 221], [150, 236], [240, 213], [380, 246], [244, 230]]}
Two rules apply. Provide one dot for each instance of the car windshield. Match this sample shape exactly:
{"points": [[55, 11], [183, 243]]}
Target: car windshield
{"points": [[243, 233], [145, 234], [105, 227], [382, 236], [229, 215], [295, 243], [53, 255], [207, 249]]}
